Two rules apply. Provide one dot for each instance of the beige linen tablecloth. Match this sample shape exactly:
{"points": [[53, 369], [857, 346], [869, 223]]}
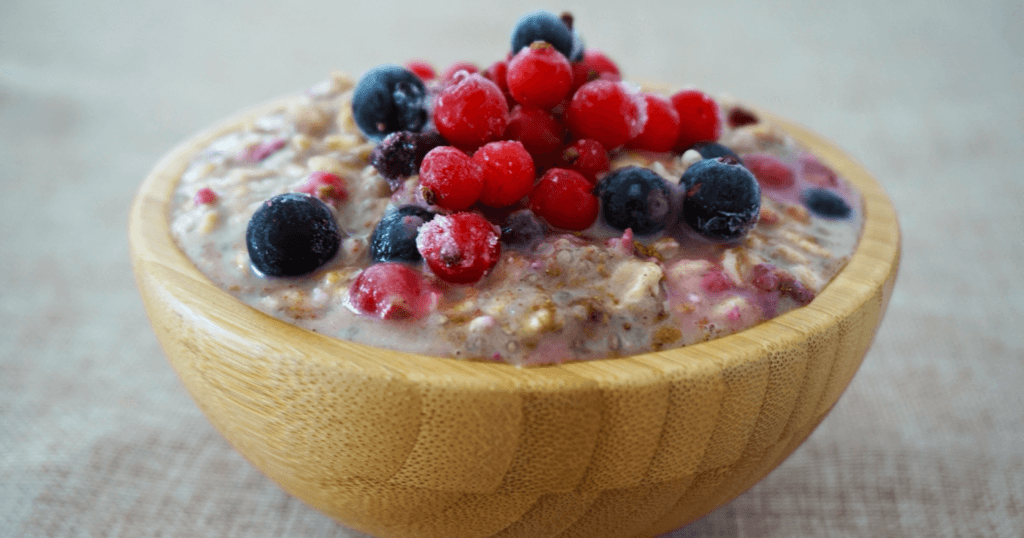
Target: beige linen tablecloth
{"points": [[98, 438]]}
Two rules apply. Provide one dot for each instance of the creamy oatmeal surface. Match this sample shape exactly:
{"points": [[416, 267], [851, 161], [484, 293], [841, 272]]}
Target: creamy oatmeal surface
{"points": [[571, 296]]}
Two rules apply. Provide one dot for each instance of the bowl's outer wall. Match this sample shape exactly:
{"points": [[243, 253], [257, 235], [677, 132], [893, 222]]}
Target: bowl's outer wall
{"points": [[401, 445]]}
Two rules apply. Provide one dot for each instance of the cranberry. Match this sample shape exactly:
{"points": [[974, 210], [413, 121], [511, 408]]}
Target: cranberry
{"points": [[471, 112], [508, 172], [392, 291], [538, 130], [662, 128], [586, 156], [699, 118], [460, 248], [325, 186], [565, 199], [450, 178], [609, 112], [769, 170], [539, 76]]}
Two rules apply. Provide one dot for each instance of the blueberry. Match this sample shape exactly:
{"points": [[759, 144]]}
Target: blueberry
{"points": [[712, 150], [522, 229], [394, 238], [721, 199], [826, 204], [291, 235], [637, 198], [543, 26], [389, 98], [400, 154]]}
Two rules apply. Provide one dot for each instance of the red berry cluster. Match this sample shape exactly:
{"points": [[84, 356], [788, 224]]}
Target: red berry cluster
{"points": [[534, 131]]}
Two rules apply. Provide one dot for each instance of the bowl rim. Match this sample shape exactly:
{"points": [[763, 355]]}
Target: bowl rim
{"points": [[157, 260]]}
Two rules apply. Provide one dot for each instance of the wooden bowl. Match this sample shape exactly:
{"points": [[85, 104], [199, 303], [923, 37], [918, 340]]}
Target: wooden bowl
{"points": [[402, 445]]}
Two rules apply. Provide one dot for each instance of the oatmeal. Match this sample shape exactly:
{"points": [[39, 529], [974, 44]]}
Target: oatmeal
{"points": [[512, 245]]}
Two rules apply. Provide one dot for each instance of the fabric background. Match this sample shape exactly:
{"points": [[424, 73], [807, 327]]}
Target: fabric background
{"points": [[98, 437]]}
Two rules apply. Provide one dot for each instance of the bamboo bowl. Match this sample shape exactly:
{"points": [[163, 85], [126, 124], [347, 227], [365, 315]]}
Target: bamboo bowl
{"points": [[402, 445]]}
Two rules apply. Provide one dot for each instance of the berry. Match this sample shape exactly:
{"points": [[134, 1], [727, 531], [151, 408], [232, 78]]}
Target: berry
{"points": [[394, 238], [715, 281], [522, 229], [816, 172], [565, 199], [392, 291], [205, 196], [400, 154], [826, 204], [577, 43], [635, 198], [662, 128], [258, 152], [609, 112], [739, 116], [497, 73], [450, 178], [542, 26], [449, 74], [291, 235], [721, 200], [326, 186], [460, 248], [699, 118], [538, 130], [586, 156], [712, 150], [539, 76], [389, 98], [594, 65], [471, 112], [769, 170], [422, 69], [508, 172]]}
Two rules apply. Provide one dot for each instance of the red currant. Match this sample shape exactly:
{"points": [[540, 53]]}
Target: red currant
{"points": [[205, 196], [450, 178], [595, 65], [392, 291], [586, 156], [715, 281], [325, 186], [699, 118], [449, 74], [496, 73], [609, 112], [422, 69], [539, 76], [565, 199], [460, 248], [769, 170], [538, 130], [508, 172], [662, 128], [471, 112]]}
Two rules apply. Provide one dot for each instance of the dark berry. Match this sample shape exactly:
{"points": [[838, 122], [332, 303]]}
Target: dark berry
{"points": [[400, 154], [565, 199], [471, 112], [699, 118], [721, 200], [739, 116], [392, 291], [713, 150], [291, 235], [539, 76], [826, 204], [460, 248], [635, 198], [542, 26], [394, 238], [389, 98], [577, 43], [522, 229]]}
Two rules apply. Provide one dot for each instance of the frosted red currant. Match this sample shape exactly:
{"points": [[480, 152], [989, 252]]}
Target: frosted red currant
{"points": [[392, 291], [508, 172], [609, 112], [565, 199], [662, 128], [451, 179], [539, 76], [538, 130], [471, 112], [460, 248], [586, 156], [700, 119]]}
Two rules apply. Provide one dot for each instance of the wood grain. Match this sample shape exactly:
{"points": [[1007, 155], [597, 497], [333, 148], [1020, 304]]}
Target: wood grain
{"points": [[402, 445]]}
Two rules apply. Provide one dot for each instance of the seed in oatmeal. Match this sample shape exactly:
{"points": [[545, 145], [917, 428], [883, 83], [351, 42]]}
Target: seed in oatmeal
{"points": [[389, 98], [291, 235]]}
